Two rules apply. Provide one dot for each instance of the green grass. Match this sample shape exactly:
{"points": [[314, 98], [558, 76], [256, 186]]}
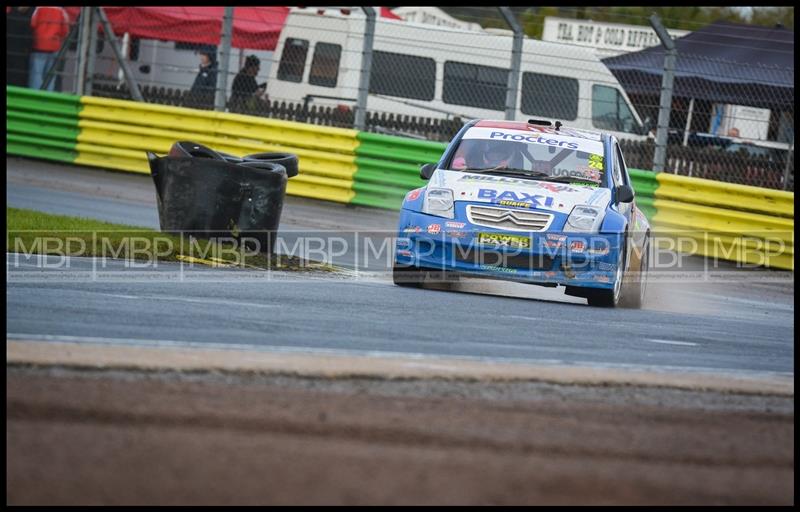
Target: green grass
{"points": [[33, 232]]}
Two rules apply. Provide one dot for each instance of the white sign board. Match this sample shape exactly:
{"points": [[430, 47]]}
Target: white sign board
{"points": [[742, 121], [607, 39], [434, 16]]}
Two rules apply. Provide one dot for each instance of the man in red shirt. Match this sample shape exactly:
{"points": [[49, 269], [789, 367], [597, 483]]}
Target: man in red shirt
{"points": [[50, 26]]}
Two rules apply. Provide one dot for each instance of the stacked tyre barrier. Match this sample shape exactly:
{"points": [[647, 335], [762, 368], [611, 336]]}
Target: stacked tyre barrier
{"points": [[367, 169]]}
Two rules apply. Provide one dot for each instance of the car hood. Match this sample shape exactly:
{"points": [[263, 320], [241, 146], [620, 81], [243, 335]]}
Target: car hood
{"points": [[527, 193]]}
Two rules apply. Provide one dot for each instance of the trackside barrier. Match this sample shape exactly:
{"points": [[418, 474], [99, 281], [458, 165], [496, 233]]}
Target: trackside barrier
{"points": [[730, 221], [388, 167], [116, 133], [644, 185], [41, 124]]}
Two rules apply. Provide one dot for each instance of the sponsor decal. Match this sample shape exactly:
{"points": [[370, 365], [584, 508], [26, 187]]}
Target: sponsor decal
{"points": [[602, 265], [596, 162], [556, 188], [404, 252], [585, 184], [457, 234], [501, 239], [550, 273], [434, 229], [498, 269], [553, 236], [553, 244], [601, 278], [519, 137], [563, 138], [403, 242], [413, 194], [577, 246], [412, 229], [454, 225], [477, 178], [598, 252], [535, 200], [516, 204]]}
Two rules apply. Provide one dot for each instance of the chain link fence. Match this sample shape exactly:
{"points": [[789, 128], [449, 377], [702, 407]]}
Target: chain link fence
{"points": [[425, 81]]}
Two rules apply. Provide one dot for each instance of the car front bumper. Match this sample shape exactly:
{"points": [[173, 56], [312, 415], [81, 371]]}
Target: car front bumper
{"points": [[547, 257]]}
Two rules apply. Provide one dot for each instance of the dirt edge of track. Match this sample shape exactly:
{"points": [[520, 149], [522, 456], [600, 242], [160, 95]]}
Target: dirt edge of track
{"points": [[325, 365]]}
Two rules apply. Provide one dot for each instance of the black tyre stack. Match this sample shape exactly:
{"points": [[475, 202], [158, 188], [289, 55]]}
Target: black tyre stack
{"points": [[209, 194]]}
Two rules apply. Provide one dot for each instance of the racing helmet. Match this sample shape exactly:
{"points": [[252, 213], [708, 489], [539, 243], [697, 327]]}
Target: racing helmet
{"points": [[499, 154]]}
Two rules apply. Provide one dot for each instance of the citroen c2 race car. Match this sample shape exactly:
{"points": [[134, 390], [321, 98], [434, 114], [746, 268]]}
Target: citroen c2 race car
{"points": [[529, 202]]}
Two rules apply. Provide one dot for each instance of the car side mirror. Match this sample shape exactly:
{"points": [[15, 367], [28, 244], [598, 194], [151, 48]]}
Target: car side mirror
{"points": [[426, 171], [624, 194]]}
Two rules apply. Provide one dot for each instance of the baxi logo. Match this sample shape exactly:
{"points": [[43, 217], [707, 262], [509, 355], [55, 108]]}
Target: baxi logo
{"points": [[534, 200], [533, 138]]}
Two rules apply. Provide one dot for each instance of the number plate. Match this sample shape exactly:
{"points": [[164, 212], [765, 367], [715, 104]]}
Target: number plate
{"points": [[501, 239]]}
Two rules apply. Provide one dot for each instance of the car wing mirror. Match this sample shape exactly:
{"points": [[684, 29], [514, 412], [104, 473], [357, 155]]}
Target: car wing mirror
{"points": [[624, 194], [426, 171]]}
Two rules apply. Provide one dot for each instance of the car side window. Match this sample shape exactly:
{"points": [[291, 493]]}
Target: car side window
{"points": [[623, 169], [616, 174]]}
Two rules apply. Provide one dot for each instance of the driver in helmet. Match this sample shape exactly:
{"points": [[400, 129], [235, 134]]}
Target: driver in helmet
{"points": [[498, 155]]}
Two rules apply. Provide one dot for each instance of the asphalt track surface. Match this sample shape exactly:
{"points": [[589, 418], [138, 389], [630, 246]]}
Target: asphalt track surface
{"points": [[733, 322]]}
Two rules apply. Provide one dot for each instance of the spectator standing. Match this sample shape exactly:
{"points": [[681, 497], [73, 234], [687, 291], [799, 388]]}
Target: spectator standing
{"points": [[201, 95], [246, 94], [19, 40], [50, 26]]}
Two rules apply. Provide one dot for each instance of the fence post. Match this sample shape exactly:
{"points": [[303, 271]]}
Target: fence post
{"points": [[786, 170], [112, 41], [670, 55], [91, 57], [366, 69], [516, 61], [83, 45], [225, 58]]}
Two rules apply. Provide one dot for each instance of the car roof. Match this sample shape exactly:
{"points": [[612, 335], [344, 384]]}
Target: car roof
{"points": [[564, 131]]}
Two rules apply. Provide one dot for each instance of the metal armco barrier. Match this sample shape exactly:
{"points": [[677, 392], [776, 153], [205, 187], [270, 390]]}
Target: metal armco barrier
{"points": [[370, 169]]}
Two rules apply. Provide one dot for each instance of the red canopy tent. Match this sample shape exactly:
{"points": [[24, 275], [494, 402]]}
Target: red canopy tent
{"points": [[255, 28]]}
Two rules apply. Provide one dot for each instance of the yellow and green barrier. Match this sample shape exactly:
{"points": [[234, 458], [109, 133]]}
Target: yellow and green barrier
{"points": [[368, 169], [41, 124], [388, 167]]}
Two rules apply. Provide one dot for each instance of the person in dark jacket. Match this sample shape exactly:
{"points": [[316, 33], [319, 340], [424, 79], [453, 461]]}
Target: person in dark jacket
{"points": [[19, 42], [246, 94], [201, 95]]}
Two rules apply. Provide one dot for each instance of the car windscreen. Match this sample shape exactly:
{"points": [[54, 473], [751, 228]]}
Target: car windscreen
{"points": [[531, 155]]}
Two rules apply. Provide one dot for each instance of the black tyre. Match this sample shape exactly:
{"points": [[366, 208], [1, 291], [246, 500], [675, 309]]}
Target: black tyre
{"points": [[231, 158], [189, 149], [600, 297], [413, 277], [636, 283], [287, 160], [265, 166]]}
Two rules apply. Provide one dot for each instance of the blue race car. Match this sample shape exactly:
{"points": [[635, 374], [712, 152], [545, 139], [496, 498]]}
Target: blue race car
{"points": [[529, 202]]}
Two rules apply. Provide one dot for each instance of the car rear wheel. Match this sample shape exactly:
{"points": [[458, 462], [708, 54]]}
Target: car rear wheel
{"points": [[633, 293]]}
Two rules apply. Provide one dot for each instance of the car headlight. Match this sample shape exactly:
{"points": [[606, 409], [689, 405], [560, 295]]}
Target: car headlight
{"points": [[584, 219], [439, 202]]}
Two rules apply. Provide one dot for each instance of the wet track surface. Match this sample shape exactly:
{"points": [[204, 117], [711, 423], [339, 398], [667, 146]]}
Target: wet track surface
{"points": [[732, 321]]}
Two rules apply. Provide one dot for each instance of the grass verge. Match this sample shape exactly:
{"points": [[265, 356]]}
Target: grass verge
{"points": [[32, 232]]}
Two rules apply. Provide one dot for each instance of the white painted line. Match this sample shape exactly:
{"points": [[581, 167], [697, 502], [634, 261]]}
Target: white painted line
{"points": [[670, 342], [187, 299]]}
